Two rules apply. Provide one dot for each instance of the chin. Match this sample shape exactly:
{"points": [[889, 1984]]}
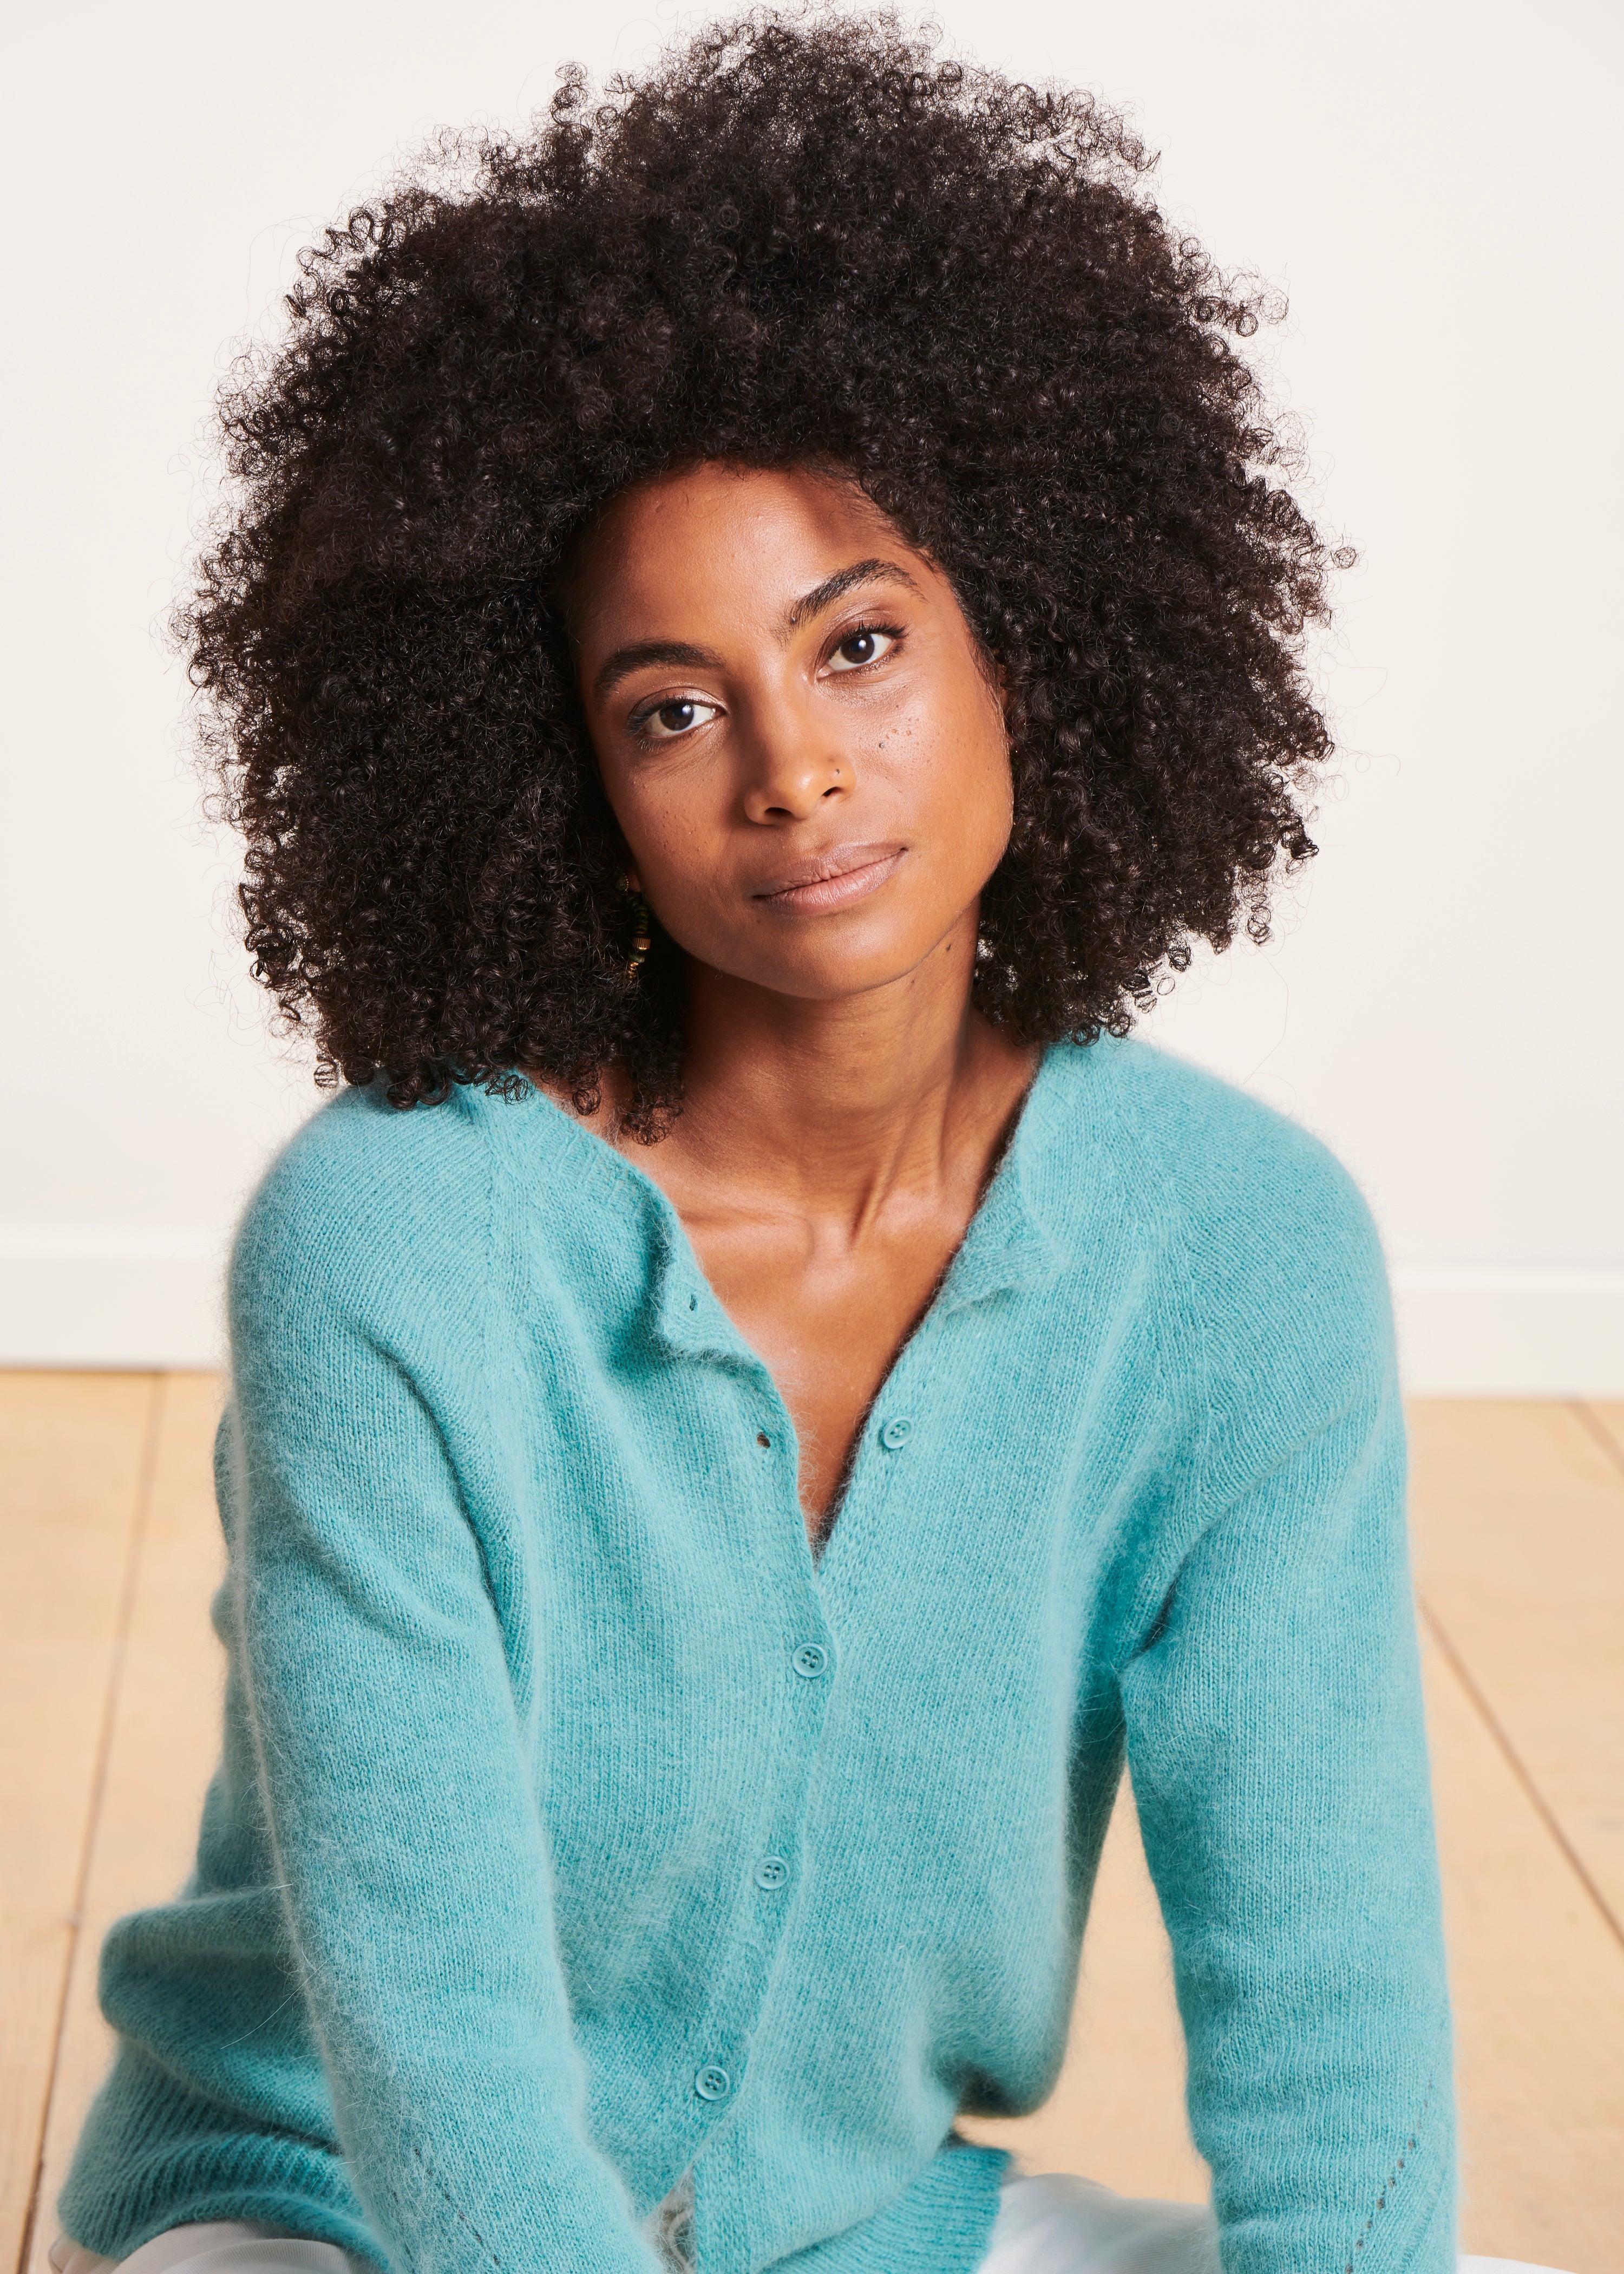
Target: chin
{"points": [[835, 973]]}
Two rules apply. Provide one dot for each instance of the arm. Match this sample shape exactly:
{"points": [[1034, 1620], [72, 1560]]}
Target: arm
{"points": [[1275, 1742], [413, 1860]]}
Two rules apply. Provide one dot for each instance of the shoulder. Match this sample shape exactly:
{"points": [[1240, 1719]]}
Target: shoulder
{"points": [[1266, 1246], [363, 1205], [1235, 1172]]}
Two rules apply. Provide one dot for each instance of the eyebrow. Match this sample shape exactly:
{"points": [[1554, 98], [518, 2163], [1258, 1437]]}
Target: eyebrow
{"points": [[844, 579], [644, 655]]}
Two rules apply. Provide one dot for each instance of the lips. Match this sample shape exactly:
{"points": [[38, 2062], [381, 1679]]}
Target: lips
{"points": [[833, 879]]}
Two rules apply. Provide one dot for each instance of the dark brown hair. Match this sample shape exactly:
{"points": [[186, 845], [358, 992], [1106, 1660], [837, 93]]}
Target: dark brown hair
{"points": [[797, 237]]}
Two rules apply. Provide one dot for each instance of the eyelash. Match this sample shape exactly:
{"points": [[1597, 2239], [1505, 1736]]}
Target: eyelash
{"points": [[637, 725]]}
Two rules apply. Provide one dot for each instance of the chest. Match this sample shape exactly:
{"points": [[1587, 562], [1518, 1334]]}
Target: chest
{"points": [[679, 1643], [674, 1643], [734, 1745], [828, 1319]]}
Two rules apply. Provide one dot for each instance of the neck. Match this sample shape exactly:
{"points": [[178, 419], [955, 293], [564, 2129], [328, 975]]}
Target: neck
{"points": [[834, 1106]]}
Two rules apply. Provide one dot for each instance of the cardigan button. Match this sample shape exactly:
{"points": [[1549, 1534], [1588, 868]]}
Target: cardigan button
{"points": [[713, 2084], [895, 1432], [771, 1871], [810, 1661]]}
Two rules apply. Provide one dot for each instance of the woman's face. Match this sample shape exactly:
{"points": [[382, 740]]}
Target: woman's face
{"points": [[796, 731]]}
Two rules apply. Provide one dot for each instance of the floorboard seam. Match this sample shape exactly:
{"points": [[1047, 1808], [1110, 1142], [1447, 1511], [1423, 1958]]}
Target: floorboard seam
{"points": [[146, 1476], [1597, 1428], [1541, 1806]]}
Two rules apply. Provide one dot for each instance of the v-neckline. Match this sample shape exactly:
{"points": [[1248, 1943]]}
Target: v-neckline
{"points": [[1004, 1244]]}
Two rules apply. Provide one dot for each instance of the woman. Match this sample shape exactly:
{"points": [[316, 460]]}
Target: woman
{"points": [[754, 634]]}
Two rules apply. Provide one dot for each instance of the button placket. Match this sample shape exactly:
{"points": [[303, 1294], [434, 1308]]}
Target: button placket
{"points": [[763, 1884], [766, 1882]]}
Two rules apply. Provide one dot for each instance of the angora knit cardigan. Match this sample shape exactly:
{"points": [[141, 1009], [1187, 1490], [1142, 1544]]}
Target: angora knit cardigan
{"points": [[578, 1835]]}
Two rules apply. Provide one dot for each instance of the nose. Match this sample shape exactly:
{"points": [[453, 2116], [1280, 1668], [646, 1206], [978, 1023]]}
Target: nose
{"points": [[794, 764]]}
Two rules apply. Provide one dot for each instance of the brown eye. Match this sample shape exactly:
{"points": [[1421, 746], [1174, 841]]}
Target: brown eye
{"points": [[667, 720], [860, 647]]}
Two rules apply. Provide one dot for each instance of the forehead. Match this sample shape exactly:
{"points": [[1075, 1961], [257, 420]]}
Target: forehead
{"points": [[721, 539]]}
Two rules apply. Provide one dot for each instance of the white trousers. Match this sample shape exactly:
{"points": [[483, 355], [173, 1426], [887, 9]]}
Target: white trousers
{"points": [[1055, 2224]]}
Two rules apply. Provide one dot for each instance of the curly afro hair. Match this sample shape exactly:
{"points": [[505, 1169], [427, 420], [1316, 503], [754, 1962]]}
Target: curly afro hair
{"points": [[798, 239]]}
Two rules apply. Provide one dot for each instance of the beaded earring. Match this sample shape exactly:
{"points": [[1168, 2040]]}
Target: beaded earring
{"points": [[641, 935]]}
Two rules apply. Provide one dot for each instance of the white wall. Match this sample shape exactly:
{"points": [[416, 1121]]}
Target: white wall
{"points": [[1434, 183]]}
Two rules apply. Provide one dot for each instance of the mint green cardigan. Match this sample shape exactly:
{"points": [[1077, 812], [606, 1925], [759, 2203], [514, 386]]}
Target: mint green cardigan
{"points": [[576, 1834]]}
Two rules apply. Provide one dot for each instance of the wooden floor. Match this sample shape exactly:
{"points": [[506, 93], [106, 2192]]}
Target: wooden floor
{"points": [[109, 1686]]}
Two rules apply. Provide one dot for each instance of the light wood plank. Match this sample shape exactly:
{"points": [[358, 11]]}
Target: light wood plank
{"points": [[164, 1741], [1117, 2113], [71, 1451], [1539, 1988], [1519, 1526]]}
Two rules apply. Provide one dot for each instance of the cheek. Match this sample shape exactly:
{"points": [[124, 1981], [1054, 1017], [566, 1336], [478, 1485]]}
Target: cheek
{"points": [[671, 830], [962, 760]]}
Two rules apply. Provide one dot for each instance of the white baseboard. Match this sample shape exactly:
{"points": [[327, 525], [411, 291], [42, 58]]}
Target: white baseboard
{"points": [[111, 1297], [91, 1296], [1510, 1333]]}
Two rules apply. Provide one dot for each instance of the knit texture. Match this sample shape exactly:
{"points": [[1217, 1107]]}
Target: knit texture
{"points": [[575, 1830]]}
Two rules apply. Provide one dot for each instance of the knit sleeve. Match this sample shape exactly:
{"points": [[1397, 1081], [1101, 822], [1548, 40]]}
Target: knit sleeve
{"points": [[1275, 1742], [407, 1838]]}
